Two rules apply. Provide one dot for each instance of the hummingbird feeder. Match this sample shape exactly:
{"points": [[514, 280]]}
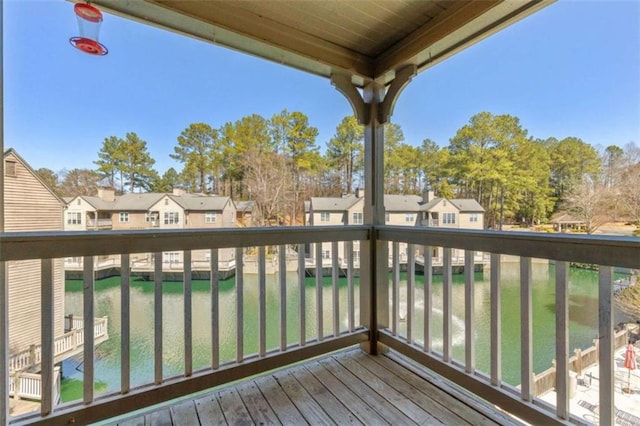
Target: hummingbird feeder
{"points": [[89, 20]]}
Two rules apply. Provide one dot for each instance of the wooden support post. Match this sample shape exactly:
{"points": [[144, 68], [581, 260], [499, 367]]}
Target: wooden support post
{"points": [[373, 109]]}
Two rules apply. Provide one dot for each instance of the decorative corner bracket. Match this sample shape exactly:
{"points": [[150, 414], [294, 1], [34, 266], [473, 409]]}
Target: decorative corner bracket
{"points": [[403, 77], [343, 84]]}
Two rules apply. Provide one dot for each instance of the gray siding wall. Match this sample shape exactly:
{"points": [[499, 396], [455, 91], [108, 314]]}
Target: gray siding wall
{"points": [[30, 206]]}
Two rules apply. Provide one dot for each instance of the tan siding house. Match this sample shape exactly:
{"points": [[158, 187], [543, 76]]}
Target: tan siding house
{"points": [[30, 205]]}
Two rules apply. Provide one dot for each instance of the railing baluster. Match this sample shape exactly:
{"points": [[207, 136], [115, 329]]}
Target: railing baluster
{"points": [[319, 307], [350, 291], [428, 300], [562, 339], [214, 280], [469, 317], [411, 291], [334, 284], [526, 329], [157, 309], [301, 296], [47, 332], [606, 345], [125, 321], [88, 328], [496, 338], [4, 343], [239, 305], [262, 302], [447, 306], [395, 288], [188, 339], [282, 273]]}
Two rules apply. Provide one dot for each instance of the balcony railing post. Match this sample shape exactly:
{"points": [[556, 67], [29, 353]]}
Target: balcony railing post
{"points": [[606, 347], [374, 290], [4, 337]]}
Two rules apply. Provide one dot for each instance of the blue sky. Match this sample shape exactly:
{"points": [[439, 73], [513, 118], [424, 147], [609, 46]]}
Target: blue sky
{"points": [[573, 69]]}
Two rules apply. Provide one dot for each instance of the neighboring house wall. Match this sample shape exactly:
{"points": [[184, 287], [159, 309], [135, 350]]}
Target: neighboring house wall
{"points": [[78, 208], [171, 214], [446, 210], [29, 205], [472, 220], [134, 220]]}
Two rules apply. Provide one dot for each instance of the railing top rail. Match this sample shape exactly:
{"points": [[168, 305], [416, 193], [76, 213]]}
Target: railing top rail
{"points": [[46, 245], [598, 249]]}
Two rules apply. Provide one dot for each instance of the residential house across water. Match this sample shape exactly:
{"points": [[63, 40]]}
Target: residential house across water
{"points": [[147, 211], [400, 210]]}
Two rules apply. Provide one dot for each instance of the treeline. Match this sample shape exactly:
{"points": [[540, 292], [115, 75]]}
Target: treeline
{"points": [[277, 163]]}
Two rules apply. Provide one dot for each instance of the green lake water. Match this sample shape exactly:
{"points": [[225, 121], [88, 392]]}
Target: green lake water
{"points": [[583, 321]]}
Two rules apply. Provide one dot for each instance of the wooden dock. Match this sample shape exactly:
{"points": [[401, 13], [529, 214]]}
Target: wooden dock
{"points": [[349, 387]]}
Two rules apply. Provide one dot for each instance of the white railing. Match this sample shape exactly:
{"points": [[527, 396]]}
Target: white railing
{"points": [[379, 315], [29, 385], [100, 223], [65, 345]]}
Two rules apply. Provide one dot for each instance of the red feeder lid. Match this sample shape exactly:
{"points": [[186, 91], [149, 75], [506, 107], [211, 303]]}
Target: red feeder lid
{"points": [[88, 12], [89, 46]]}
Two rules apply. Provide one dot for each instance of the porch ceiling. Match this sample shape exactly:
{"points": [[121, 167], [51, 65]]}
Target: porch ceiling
{"points": [[366, 39]]}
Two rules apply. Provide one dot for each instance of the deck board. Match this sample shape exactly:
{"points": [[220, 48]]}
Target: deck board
{"points": [[360, 409], [434, 393], [348, 387], [287, 413], [324, 397], [259, 409], [209, 411], [383, 407], [184, 413], [233, 407], [302, 399]]}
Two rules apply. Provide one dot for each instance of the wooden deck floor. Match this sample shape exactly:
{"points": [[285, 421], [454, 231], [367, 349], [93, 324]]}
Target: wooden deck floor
{"points": [[349, 387]]}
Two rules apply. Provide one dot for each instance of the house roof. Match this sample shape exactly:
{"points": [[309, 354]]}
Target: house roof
{"points": [[135, 202], [566, 218], [402, 203], [245, 206], [333, 204], [98, 203], [367, 41], [467, 205], [464, 205], [200, 202]]}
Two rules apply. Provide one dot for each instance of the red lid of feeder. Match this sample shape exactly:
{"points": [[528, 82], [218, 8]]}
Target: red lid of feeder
{"points": [[89, 46], [88, 12]]}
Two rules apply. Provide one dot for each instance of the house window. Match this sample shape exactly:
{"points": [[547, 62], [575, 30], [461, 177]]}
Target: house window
{"points": [[210, 217], [79, 202], [356, 255], [449, 218], [166, 201], [171, 257], [409, 217], [324, 216], [171, 218], [10, 168], [357, 218], [74, 218], [124, 217], [326, 254], [473, 217]]}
